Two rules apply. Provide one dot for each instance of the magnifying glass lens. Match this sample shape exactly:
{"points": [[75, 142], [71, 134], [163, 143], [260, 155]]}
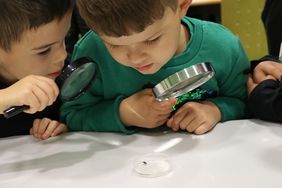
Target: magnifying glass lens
{"points": [[78, 81], [73, 82], [183, 81]]}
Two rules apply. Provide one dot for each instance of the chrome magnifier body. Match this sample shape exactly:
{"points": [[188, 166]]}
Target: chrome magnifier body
{"points": [[72, 82], [183, 81]]}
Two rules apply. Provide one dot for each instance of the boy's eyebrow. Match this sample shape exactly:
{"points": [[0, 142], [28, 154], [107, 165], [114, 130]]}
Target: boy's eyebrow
{"points": [[153, 36], [149, 38], [44, 46]]}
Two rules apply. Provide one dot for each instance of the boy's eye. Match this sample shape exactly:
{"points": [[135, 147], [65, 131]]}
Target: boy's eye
{"points": [[149, 42], [45, 52]]}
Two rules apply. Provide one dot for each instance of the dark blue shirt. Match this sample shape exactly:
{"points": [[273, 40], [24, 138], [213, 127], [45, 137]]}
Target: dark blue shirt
{"points": [[21, 124]]}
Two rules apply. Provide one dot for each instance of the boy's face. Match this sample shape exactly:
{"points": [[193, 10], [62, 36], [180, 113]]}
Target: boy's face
{"points": [[149, 50], [39, 52]]}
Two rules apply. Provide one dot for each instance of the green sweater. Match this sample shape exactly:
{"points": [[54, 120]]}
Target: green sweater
{"points": [[98, 108]]}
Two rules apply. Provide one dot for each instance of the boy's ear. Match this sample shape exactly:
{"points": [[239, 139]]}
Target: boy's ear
{"points": [[183, 6]]}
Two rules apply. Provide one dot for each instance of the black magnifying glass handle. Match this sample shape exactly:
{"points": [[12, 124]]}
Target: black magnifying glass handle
{"points": [[14, 110], [74, 80]]}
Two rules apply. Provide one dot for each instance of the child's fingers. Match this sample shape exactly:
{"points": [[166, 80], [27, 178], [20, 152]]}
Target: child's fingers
{"points": [[162, 118], [177, 119], [49, 87], [276, 75], [204, 128], [59, 129], [162, 122], [258, 75], [191, 124], [269, 68], [164, 106], [270, 77], [169, 122], [44, 123], [33, 101], [251, 85], [50, 129], [34, 129], [162, 112], [250, 79], [42, 97]]}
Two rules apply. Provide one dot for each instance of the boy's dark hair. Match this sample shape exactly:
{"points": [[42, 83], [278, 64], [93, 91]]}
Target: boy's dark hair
{"points": [[122, 17], [18, 16]]}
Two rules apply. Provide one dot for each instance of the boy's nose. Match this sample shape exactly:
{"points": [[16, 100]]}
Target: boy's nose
{"points": [[60, 57], [136, 57], [62, 54]]}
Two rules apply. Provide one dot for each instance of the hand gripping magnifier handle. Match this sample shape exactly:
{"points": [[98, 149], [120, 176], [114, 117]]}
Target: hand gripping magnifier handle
{"points": [[73, 82]]}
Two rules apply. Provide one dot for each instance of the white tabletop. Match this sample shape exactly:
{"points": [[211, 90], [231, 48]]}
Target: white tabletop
{"points": [[237, 154]]}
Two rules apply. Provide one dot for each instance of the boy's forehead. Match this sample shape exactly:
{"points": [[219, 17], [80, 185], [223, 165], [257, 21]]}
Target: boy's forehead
{"points": [[48, 33], [150, 32]]}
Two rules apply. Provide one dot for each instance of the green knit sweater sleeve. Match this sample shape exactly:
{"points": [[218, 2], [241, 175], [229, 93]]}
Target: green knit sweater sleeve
{"points": [[233, 92], [91, 112]]}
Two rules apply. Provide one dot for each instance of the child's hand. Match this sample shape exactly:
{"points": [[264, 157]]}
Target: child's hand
{"points": [[251, 84], [143, 110], [267, 68], [195, 117], [45, 128], [35, 91]]}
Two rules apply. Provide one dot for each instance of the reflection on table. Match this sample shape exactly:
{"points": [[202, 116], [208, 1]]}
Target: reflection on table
{"points": [[246, 153]]}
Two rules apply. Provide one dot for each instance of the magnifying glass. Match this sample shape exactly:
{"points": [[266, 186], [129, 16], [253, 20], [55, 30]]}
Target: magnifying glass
{"points": [[72, 82], [184, 81]]}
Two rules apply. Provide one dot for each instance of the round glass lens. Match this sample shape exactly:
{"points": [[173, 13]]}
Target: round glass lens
{"points": [[78, 81]]}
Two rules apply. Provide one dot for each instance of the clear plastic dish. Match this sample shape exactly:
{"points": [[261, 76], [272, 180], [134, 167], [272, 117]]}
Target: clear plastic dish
{"points": [[152, 165]]}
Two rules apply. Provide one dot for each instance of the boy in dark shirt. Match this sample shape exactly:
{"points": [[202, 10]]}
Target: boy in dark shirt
{"points": [[264, 84], [265, 90], [32, 54]]}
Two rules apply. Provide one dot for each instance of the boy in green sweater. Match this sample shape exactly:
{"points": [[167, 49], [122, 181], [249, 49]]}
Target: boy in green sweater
{"points": [[139, 42]]}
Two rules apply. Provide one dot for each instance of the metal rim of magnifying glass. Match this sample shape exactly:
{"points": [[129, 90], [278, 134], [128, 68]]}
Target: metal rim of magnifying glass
{"points": [[60, 80], [69, 69], [183, 81]]}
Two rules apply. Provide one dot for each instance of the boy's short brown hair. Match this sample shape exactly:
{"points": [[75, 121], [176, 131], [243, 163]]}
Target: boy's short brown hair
{"points": [[122, 17], [18, 16]]}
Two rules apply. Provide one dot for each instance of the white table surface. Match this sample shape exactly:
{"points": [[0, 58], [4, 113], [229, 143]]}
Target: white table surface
{"points": [[239, 154]]}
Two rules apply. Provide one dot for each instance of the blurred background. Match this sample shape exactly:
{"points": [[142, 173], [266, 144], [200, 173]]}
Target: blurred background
{"points": [[242, 17]]}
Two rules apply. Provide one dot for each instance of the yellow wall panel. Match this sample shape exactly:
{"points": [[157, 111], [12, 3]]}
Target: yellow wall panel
{"points": [[243, 18]]}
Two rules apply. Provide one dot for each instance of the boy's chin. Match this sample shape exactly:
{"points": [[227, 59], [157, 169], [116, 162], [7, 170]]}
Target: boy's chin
{"points": [[147, 72], [153, 70]]}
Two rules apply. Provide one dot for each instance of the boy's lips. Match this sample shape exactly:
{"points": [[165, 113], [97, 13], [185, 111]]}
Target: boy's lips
{"points": [[55, 74], [144, 67]]}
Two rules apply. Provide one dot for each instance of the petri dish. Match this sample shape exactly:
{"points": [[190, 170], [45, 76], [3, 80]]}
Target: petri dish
{"points": [[152, 165]]}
